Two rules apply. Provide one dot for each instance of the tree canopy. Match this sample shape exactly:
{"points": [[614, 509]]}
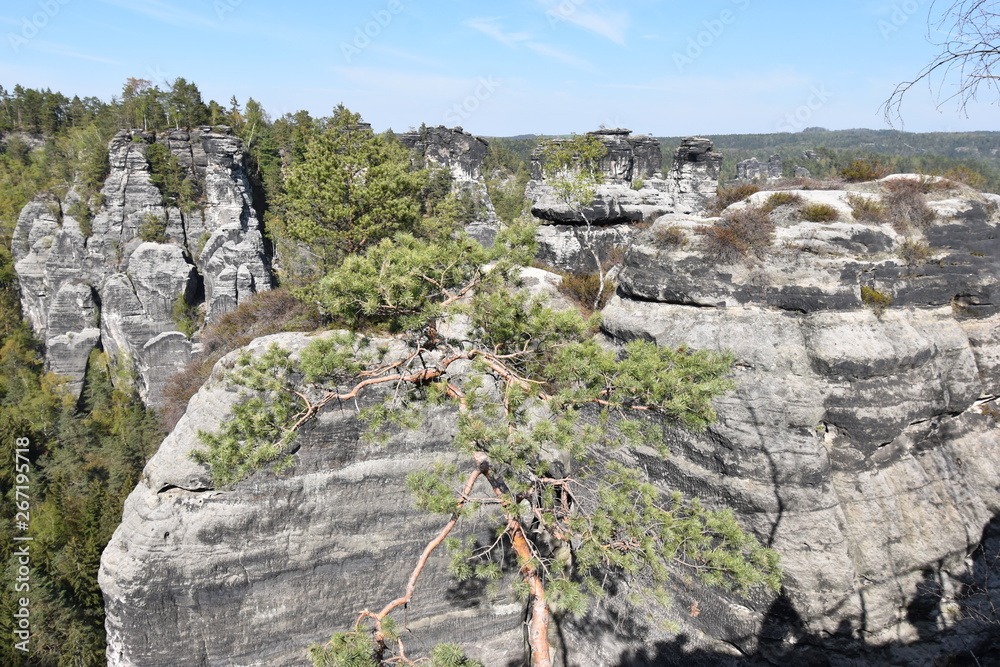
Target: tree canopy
{"points": [[351, 189]]}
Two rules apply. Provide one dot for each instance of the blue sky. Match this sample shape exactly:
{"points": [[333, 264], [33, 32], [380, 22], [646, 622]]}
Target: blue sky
{"points": [[521, 66]]}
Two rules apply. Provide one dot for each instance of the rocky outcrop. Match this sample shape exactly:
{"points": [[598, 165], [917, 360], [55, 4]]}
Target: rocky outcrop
{"points": [[462, 154], [633, 191], [753, 170], [454, 149], [856, 442], [628, 161], [694, 176], [255, 574], [88, 283]]}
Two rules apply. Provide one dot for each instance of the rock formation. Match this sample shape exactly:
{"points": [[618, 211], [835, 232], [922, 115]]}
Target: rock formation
{"points": [[628, 160], [694, 176], [856, 441], [634, 190], [859, 444], [462, 155], [97, 283], [752, 170]]}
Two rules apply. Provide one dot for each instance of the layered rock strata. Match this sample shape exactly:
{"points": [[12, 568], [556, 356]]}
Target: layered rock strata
{"points": [[634, 190], [255, 574], [753, 170], [861, 441], [861, 445]]}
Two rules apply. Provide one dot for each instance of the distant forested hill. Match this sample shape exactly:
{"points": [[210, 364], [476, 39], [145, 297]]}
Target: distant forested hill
{"points": [[930, 152]]}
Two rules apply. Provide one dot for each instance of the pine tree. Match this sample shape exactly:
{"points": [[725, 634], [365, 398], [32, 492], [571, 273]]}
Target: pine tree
{"points": [[573, 171], [351, 189], [538, 404]]}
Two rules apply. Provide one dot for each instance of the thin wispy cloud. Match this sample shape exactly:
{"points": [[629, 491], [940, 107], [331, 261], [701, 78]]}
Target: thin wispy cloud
{"points": [[514, 40], [68, 52], [610, 24], [491, 27], [400, 54], [390, 79], [165, 12], [85, 56], [781, 80]]}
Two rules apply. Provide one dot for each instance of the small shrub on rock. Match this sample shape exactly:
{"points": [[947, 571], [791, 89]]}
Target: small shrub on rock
{"points": [[906, 205], [725, 197], [861, 170], [914, 252], [818, 213], [669, 237], [84, 217], [187, 316], [745, 234], [967, 175], [877, 301], [582, 289], [781, 199], [153, 228], [867, 209], [264, 314]]}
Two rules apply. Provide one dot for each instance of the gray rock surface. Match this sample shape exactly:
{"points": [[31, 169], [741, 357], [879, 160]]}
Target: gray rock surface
{"points": [[213, 253], [858, 445], [463, 155], [694, 176], [452, 148], [627, 160], [855, 444], [752, 169], [633, 191], [255, 574]]}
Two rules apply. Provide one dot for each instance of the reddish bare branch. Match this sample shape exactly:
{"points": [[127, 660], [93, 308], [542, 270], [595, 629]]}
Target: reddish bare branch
{"points": [[411, 584]]}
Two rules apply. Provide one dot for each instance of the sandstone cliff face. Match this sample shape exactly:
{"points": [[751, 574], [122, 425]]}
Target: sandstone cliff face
{"points": [[858, 445], [753, 170], [462, 155], [85, 285], [253, 575]]}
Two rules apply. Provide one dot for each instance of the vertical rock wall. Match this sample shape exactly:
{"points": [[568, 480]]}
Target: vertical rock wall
{"points": [[104, 286], [462, 155], [633, 191]]}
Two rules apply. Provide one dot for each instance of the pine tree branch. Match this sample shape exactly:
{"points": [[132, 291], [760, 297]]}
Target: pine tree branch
{"points": [[411, 583]]}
